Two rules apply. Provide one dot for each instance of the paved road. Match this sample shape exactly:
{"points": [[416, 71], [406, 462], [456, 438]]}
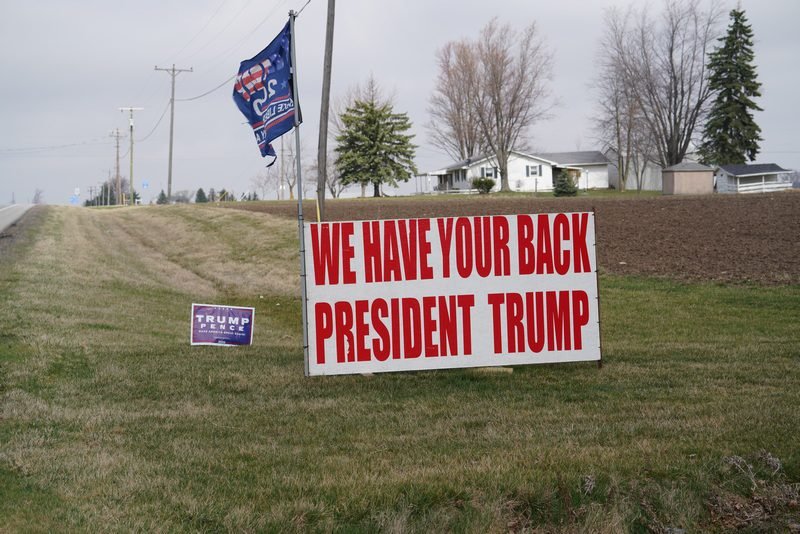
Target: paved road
{"points": [[11, 214]]}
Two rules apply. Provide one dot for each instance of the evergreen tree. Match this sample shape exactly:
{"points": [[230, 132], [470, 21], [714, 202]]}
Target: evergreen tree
{"points": [[373, 146], [565, 185], [731, 135], [162, 198], [200, 197]]}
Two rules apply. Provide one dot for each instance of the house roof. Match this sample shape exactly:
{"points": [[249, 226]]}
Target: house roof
{"points": [[752, 170], [586, 157], [689, 166], [465, 164]]}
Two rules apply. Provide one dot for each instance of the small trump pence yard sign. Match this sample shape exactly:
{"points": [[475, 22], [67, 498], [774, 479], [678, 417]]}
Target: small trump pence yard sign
{"points": [[221, 325], [438, 293]]}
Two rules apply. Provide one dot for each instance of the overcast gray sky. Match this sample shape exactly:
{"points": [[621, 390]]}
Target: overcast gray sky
{"points": [[68, 66]]}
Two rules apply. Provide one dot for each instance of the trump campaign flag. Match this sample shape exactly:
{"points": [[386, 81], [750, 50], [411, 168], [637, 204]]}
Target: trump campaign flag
{"points": [[263, 91]]}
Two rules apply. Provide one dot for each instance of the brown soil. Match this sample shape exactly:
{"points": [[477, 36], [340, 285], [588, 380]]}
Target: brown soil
{"points": [[721, 238]]}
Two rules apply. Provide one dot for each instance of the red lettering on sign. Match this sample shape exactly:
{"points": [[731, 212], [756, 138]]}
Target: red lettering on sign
{"points": [[561, 234], [380, 345], [412, 328], [362, 331], [407, 232], [558, 320], [556, 248], [463, 247], [445, 240], [478, 245], [516, 330], [534, 311], [544, 247], [391, 259], [329, 242], [344, 332], [580, 251], [448, 326], [580, 316], [466, 303], [425, 270], [483, 249], [323, 319], [552, 318], [429, 326], [400, 328], [502, 255], [527, 252], [395, 305], [496, 301], [373, 266], [396, 250]]}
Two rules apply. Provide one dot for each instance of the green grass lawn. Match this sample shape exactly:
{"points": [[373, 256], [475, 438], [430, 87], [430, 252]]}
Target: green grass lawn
{"points": [[109, 420]]}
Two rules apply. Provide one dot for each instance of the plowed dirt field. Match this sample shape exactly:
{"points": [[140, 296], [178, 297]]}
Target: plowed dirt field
{"points": [[721, 238]]}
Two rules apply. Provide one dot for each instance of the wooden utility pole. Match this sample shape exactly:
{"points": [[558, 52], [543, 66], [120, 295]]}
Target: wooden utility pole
{"points": [[117, 135], [130, 177], [322, 150], [174, 73]]}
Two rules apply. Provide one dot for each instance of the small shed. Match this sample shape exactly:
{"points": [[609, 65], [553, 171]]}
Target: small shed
{"points": [[687, 178]]}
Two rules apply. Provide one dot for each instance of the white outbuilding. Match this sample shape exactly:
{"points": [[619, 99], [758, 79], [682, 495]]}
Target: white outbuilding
{"points": [[756, 178]]}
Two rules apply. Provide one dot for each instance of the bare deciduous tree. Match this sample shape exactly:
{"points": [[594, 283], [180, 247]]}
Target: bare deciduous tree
{"points": [[333, 179], [617, 106], [454, 127], [660, 60], [287, 169], [510, 88], [620, 123], [38, 196], [266, 182]]}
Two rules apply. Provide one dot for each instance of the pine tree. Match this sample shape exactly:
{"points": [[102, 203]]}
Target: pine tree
{"points": [[373, 146], [162, 198], [731, 135], [200, 197], [565, 185]]}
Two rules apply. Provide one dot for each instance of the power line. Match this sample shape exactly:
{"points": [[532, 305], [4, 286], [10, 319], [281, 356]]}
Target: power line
{"points": [[156, 126], [223, 84], [214, 60], [302, 8], [201, 30], [20, 150], [221, 31]]}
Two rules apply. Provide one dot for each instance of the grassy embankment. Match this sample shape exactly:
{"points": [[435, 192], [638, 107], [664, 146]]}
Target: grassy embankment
{"points": [[110, 420]]}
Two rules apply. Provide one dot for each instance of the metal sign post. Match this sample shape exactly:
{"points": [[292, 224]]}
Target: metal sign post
{"points": [[300, 222]]}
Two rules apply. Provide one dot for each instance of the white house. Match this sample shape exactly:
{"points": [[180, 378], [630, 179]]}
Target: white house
{"points": [[593, 166], [758, 178], [526, 172]]}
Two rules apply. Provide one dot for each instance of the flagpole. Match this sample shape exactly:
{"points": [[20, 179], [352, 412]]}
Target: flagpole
{"points": [[300, 223]]}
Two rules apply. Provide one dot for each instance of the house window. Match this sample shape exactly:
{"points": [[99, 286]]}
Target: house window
{"points": [[533, 170], [488, 172]]}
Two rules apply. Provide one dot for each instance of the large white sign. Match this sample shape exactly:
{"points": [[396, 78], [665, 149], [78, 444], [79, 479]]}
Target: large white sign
{"points": [[403, 295]]}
